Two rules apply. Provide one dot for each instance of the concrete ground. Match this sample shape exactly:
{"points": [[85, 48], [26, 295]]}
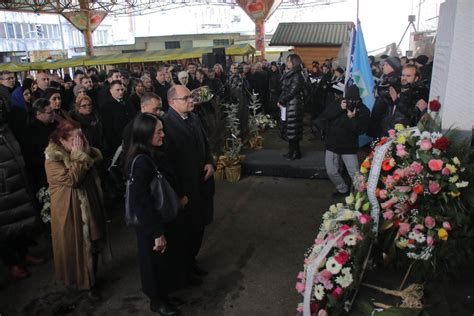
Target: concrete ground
{"points": [[253, 250]]}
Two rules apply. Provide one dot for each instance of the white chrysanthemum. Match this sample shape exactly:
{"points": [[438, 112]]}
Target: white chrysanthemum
{"points": [[435, 136], [345, 280], [333, 209], [326, 215], [454, 178], [333, 266], [339, 205], [462, 184], [436, 152], [425, 135], [420, 238], [346, 270], [411, 235], [319, 292], [456, 161], [350, 240]]}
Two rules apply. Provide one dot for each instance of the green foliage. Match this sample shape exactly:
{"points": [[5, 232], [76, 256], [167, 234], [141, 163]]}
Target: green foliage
{"points": [[233, 142]]}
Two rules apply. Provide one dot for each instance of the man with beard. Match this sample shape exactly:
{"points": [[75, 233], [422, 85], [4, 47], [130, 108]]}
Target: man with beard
{"points": [[408, 105], [86, 82]]}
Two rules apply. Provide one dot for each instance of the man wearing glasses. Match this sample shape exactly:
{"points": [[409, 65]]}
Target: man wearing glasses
{"points": [[7, 83], [188, 150]]}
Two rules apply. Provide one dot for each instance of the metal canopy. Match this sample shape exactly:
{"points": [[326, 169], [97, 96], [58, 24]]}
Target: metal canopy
{"points": [[134, 7]]}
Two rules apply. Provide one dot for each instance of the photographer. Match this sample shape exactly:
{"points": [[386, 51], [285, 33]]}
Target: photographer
{"points": [[410, 103], [378, 125], [344, 125]]}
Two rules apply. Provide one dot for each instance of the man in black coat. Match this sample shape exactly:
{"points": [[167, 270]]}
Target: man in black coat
{"points": [[345, 122], [115, 113], [188, 149], [104, 92], [161, 87]]}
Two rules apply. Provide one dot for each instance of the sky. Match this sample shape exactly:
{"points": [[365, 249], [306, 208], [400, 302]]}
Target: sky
{"points": [[383, 21]]}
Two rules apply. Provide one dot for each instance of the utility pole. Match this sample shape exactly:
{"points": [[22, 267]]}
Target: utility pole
{"points": [[420, 2]]}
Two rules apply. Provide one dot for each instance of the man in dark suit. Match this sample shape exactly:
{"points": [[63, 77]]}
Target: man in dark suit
{"points": [[115, 113], [161, 87], [188, 149]]}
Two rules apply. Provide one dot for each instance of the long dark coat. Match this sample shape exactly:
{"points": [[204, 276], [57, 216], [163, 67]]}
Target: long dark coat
{"points": [[187, 147], [17, 213], [291, 97]]}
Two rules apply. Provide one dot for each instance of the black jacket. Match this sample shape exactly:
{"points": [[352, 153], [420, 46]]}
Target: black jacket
{"points": [[35, 141], [187, 148], [17, 213], [274, 83], [91, 125], [342, 136], [162, 91], [115, 116], [291, 97]]}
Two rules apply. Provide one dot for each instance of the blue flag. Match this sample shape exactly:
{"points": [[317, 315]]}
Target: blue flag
{"points": [[360, 73]]}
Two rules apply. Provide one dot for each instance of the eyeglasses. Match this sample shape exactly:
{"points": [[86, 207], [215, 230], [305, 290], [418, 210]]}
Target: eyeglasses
{"points": [[85, 105], [188, 97]]}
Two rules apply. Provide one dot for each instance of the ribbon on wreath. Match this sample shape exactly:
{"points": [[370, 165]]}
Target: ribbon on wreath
{"points": [[312, 270]]}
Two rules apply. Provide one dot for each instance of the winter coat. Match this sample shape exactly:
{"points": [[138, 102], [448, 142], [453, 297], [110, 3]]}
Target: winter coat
{"points": [[342, 136], [17, 213], [91, 126], [76, 212], [291, 97]]}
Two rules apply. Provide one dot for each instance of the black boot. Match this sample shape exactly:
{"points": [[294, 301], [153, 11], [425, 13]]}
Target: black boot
{"points": [[163, 308], [291, 151], [297, 154]]}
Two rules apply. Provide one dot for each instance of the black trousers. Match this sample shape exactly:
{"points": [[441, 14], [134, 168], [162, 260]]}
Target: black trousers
{"points": [[294, 146], [13, 252]]}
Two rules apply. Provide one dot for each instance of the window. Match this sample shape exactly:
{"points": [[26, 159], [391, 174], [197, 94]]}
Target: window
{"points": [[40, 30], [25, 29], [3, 34], [172, 45], [56, 31], [48, 31], [32, 31], [10, 30], [221, 42], [18, 32]]}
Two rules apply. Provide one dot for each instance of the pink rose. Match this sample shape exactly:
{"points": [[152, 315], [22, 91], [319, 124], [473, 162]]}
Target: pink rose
{"points": [[300, 287], [417, 167], [340, 243], [426, 145], [364, 219], [446, 171], [322, 313], [401, 152], [429, 241], [435, 164], [413, 197], [337, 292], [430, 222], [403, 228], [447, 226], [419, 228], [389, 203], [325, 274], [391, 133], [300, 276], [318, 241], [388, 214], [434, 187]]}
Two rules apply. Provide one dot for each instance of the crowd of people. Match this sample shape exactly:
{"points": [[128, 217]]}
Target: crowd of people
{"points": [[64, 133]]}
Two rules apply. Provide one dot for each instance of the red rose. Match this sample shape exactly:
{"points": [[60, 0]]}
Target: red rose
{"points": [[442, 144], [418, 189], [434, 105], [337, 293], [342, 257]]}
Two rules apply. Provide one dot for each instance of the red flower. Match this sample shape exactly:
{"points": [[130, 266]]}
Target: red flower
{"points": [[382, 141], [442, 144], [342, 257], [386, 166], [337, 293], [434, 105], [418, 189]]}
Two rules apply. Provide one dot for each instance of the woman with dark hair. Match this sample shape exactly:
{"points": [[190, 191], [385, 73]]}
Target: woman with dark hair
{"points": [[77, 221], [137, 91], [291, 104], [54, 97], [152, 234], [89, 119]]}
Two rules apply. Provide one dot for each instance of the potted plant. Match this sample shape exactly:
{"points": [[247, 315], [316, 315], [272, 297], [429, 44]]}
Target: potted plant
{"points": [[231, 160], [258, 122]]}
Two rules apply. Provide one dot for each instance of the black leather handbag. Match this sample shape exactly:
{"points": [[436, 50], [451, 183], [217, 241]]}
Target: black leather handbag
{"points": [[166, 201]]}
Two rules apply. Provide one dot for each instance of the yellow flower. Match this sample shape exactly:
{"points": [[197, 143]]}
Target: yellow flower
{"points": [[456, 161], [363, 170], [333, 209], [399, 127], [350, 199], [451, 168], [402, 243], [442, 234], [454, 194], [401, 139], [348, 215], [327, 225]]}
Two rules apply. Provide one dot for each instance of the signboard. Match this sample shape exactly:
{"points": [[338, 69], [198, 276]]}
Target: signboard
{"points": [[259, 9], [80, 19]]}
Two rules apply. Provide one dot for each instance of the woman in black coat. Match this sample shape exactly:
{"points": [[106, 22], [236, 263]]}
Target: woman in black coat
{"points": [[152, 234], [291, 101], [89, 119]]}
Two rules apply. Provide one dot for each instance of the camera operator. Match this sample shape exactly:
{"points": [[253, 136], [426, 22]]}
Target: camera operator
{"points": [[410, 103], [345, 122], [381, 111]]}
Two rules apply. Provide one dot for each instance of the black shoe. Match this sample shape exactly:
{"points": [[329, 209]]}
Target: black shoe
{"points": [[288, 155], [175, 301], [193, 281], [338, 194], [163, 308], [195, 269], [294, 156]]}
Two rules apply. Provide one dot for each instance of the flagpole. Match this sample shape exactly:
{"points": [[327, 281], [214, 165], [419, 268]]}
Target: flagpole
{"points": [[357, 12]]}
